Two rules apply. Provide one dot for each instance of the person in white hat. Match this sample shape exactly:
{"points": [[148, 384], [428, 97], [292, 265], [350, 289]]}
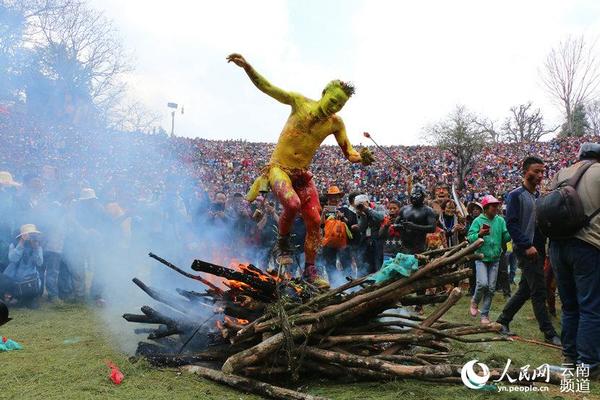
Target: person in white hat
{"points": [[6, 179], [25, 257]]}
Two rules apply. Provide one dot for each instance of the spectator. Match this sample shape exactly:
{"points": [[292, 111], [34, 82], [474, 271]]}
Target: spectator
{"points": [[389, 233], [492, 228], [529, 246], [7, 222], [25, 257], [267, 231], [576, 264], [417, 220], [449, 221], [474, 209], [369, 221], [334, 247]]}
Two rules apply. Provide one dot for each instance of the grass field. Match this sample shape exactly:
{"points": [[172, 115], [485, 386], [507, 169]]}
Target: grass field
{"points": [[65, 349]]}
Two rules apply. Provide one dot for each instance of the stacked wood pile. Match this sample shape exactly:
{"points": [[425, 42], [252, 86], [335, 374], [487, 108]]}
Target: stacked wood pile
{"points": [[266, 326]]}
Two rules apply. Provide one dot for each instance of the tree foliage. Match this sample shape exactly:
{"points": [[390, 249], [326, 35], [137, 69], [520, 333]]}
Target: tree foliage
{"points": [[592, 112], [525, 124], [462, 134], [571, 76], [62, 59]]}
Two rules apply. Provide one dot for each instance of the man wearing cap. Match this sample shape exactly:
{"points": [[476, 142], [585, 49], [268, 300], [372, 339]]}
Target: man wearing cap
{"points": [[85, 242], [331, 253], [492, 228], [529, 247], [576, 264]]}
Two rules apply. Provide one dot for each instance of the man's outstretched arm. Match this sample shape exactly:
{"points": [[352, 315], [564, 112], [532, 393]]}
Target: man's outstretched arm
{"points": [[344, 143], [260, 82]]}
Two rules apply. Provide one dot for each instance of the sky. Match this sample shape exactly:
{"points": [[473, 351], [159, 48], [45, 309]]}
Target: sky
{"points": [[412, 62]]}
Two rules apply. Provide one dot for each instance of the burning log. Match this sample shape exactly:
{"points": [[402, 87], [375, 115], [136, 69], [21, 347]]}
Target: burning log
{"points": [[254, 281]]}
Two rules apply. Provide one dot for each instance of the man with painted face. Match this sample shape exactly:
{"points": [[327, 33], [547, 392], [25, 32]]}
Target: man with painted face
{"points": [[309, 123], [416, 221]]}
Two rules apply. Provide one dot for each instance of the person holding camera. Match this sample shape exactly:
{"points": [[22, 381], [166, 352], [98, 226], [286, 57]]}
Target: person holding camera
{"points": [[369, 221], [21, 277]]}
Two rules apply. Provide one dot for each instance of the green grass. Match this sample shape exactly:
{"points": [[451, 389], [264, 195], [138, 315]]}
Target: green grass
{"points": [[65, 349]]}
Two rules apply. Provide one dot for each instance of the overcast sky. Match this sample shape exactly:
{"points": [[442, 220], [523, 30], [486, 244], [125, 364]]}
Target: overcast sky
{"points": [[411, 61]]}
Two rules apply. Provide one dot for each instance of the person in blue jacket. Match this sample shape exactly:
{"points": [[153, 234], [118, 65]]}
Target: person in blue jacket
{"points": [[529, 248]]}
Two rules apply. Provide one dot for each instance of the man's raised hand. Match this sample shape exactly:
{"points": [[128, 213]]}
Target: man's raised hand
{"points": [[237, 59]]}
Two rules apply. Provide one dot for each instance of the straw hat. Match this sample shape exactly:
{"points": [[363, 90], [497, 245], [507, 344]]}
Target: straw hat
{"points": [[6, 179], [87, 194], [27, 229], [333, 191]]}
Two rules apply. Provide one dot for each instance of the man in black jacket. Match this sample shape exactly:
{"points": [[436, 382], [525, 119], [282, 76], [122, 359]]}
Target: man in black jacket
{"points": [[529, 247]]}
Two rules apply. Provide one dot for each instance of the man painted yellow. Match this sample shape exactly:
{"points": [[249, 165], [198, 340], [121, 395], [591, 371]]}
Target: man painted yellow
{"points": [[309, 123]]}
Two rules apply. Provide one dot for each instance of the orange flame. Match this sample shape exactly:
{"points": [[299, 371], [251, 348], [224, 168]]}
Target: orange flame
{"points": [[237, 285]]}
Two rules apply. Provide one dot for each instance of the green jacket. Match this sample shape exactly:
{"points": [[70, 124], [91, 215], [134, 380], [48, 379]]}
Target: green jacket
{"points": [[492, 243]]}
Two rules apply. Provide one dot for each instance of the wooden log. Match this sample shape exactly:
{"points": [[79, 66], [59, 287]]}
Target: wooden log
{"points": [[177, 360], [187, 274], [453, 298], [388, 287], [382, 296], [172, 323], [313, 303], [249, 385], [423, 300], [171, 301], [268, 288], [144, 319], [405, 371], [439, 252], [417, 318]]}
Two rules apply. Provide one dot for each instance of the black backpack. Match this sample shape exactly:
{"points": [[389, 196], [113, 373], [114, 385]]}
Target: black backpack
{"points": [[560, 213]]}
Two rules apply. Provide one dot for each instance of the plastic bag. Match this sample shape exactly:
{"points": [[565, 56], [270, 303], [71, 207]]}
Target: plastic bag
{"points": [[116, 376], [7, 344], [401, 265]]}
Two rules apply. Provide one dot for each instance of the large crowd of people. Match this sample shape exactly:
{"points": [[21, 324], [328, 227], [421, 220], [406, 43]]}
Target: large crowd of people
{"points": [[72, 203]]}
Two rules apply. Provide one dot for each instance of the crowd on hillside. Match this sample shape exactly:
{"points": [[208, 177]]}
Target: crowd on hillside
{"points": [[76, 206]]}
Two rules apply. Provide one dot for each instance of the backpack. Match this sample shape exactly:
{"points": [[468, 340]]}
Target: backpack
{"points": [[335, 234], [560, 213]]}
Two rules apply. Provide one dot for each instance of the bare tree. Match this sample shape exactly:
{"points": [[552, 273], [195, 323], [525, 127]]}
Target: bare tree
{"points": [[571, 75], [488, 128], [79, 46], [525, 124], [133, 117], [463, 135], [592, 110]]}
